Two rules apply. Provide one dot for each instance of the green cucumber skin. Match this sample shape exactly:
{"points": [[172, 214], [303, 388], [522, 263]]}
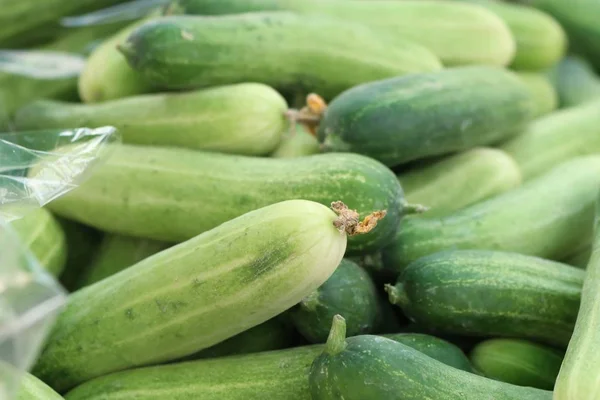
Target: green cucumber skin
{"points": [[296, 53], [580, 258], [518, 362], [556, 138], [491, 293], [281, 374], [372, 367], [160, 309], [116, 253], [575, 81], [174, 194], [403, 119], [460, 180], [243, 119], [34, 389], [424, 22], [542, 91], [349, 292], [520, 221], [42, 234], [297, 142]]}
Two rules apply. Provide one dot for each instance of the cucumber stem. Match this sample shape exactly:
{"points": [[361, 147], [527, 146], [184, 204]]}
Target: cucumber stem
{"points": [[336, 341], [348, 221], [408, 208], [396, 294], [310, 115]]}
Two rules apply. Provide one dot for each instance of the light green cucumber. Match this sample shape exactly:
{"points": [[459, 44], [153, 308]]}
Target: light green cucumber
{"points": [[556, 138], [41, 233], [297, 142], [575, 81], [543, 93], [241, 119], [196, 294], [519, 362], [548, 217], [174, 194], [460, 180], [117, 252], [32, 388]]}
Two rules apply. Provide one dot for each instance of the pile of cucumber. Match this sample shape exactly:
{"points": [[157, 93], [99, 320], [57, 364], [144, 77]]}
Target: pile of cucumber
{"points": [[321, 199]]}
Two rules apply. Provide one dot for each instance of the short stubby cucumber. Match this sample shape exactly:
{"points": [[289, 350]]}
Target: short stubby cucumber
{"points": [[297, 142], [41, 233], [32, 388], [372, 367], [575, 81], [240, 119], [403, 119], [174, 194], [458, 34], [519, 362], [292, 53], [460, 180], [556, 138], [542, 91], [117, 252], [349, 292], [548, 217], [490, 293], [196, 294]]}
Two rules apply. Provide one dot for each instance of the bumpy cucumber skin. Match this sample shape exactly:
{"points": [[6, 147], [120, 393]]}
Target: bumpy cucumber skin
{"points": [[542, 91], [349, 292], [458, 34], [488, 293], [460, 180], [41, 233], [161, 310], [174, 194], [575, 81], [519, 362], [403, 119], [556, 138], [297, 142], [523, 220], [243, 119], [296, 53], [34, 389], [372, 367]]}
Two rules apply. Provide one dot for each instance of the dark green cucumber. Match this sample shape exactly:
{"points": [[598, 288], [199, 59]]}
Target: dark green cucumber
{"points": [[580, 258], [349, 292], [422, 115], [548, 217], [575, 81], [556, 138], [174, 194], [240, 119], [292, 53], [542, 91], [490, 293], [372, 367], [519, 362], [297, 142]]}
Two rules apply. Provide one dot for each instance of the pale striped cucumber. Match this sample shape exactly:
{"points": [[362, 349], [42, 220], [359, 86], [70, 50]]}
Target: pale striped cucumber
{"points": [[32, 388], [543, 93], [556, 138], [196, 294], [41, 233], [117, 252], [297, 142], [460, 180], [174, 194], [240, 119], [548, 217]]}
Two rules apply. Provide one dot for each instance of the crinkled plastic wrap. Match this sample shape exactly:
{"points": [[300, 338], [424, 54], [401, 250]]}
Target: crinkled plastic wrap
{"points": [[35, 168]]}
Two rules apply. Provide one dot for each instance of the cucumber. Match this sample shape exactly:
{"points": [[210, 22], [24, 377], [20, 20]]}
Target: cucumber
{"points": [[579, 371], [297, 54], [541, 41], [556, 138], [281, 374], [422, 115], [517, 361], [460, 180], [116, 253], [542, 91], [523, 220], [41, 233], [372, 367], [348, 292], [457, 33], [31, 388], [107, 76], [491, 293], [575, 81], [580, 258], [297, 143], [196, 294], [241, 119], [174, 194]]}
